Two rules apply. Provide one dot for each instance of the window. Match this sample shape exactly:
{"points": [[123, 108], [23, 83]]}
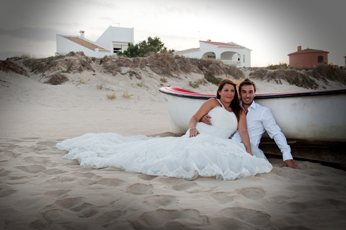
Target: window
{"points": [[115, 50], [320, 59], [243, 58]]}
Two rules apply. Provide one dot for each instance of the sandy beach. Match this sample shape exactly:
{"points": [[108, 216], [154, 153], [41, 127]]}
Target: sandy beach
{"points": [[40, 189]]}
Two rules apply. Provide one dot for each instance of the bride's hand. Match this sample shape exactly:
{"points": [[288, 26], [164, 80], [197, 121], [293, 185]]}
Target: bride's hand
{"points": [[193, 132]]}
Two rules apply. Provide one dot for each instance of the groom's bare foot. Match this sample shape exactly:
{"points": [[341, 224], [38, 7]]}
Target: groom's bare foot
{"points": [[289, 163]]}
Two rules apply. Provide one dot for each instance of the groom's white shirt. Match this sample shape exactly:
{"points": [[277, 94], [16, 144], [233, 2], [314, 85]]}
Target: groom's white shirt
{"points": [[259, 119]]}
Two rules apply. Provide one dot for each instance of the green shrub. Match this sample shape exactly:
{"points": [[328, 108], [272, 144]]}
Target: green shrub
{"points": [[127, 95], [111, 96]]}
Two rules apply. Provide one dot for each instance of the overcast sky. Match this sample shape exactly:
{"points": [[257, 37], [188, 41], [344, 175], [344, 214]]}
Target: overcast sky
{"points": [[271, 28]]}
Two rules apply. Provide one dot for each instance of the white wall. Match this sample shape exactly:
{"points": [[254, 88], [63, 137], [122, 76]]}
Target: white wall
{"points": [[115, 34], [64, 46], [232, 57]]}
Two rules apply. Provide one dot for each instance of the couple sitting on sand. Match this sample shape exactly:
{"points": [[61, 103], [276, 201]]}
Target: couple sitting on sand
{"points": [[205, 149]]}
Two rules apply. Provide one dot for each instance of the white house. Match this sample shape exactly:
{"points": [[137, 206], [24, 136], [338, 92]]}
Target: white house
{"points": [[229, 53], [114, 39]]}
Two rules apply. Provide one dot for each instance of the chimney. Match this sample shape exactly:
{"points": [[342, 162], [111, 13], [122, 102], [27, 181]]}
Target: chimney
{"points": [[81, 33], [299, 48]]}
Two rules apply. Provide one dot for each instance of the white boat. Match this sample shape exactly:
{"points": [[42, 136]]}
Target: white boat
{"points": [[311, 116]]}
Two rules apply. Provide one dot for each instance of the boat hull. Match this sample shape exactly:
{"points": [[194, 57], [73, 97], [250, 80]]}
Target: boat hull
{"points": [[312, 116]]}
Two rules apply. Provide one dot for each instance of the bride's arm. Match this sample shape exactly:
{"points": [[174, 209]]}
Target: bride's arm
{"points": [[242, 129], [203, 110]]}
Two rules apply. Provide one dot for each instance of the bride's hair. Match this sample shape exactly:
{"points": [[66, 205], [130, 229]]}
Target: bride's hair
{"points": [[235, 104]]}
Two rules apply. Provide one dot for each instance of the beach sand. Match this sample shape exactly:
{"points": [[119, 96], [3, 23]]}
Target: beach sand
{"points": [[40, 189]]}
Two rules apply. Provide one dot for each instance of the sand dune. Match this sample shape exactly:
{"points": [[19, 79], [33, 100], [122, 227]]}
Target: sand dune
{"points": [[41, 190]]}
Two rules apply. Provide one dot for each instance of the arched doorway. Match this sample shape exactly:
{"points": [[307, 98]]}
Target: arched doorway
{"points": [[230, 58], [209, 55]]}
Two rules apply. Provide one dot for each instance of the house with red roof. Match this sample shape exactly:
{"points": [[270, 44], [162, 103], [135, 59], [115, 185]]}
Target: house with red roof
{"points": [[308, 57], [229, 53], [114, 39]]}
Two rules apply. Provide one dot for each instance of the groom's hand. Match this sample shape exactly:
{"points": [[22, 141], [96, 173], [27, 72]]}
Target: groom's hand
{"points": [[289, 163], [206, 119]]}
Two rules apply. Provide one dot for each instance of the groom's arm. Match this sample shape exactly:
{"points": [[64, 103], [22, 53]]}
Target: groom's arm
{"points": [[275, 133], [206, 119]]}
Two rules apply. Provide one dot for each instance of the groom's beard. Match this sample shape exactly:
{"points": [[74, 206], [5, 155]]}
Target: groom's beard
{"points": [[246, 102]]}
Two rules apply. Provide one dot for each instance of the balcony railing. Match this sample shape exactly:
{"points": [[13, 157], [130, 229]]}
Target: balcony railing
{"points": [[230, 62]]}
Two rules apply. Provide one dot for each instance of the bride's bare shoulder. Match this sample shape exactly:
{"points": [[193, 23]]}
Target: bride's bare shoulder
{"points": [[212, 101]]}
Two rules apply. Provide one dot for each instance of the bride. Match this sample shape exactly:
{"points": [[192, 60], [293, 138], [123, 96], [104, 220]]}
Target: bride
{"points": [[203, 151]]}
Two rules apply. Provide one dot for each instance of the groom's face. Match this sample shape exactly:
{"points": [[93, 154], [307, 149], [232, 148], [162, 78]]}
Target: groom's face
{"points": [[247, 94]]}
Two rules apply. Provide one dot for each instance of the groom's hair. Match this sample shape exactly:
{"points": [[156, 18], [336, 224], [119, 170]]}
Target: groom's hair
{"points": [[247, 81]]}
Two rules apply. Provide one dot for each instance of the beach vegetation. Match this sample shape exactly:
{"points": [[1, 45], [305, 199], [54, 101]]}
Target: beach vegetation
{"points": [[56, 79], [127, 95], [211, 78], [144, 48], [140, 84], [111, 96], [163, 79], [195, 84], [80, 81], [99, 86], [9, 66]]}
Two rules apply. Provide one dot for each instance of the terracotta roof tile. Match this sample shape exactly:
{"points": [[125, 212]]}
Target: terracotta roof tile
{"points": [[309, 51], [85, 43], [221, 44], [182, 51]]}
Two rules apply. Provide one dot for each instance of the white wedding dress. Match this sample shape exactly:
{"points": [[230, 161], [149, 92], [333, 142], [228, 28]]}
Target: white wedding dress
{"points": [[209, 154]]}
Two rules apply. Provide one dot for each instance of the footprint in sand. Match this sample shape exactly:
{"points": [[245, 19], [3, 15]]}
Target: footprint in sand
{"points": [[36, 160], [160, 200], [226, 222], [222, 197], [323, 189], [60, 179], [57, 193], [109, 217], [11, 155], [246, 215], [32, 168], [140, 189], [48, 143], [4, 172], [161, 216], [6, 191], [110, 182], [295, 207], [146, 177], [46, 161], [253, 193], [53, 171], [75, 204], [184, 187], [172, 181]]}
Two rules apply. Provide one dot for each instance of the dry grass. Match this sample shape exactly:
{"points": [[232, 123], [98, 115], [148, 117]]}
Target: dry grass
{"points": [[111, 96], [9, 66], [56, 79], [127, 95], [196, 84], [293, 77], [167, 65], [301, 77], [71, 63]]}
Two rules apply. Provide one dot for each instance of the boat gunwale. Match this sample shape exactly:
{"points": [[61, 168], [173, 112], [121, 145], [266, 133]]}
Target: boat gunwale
{"points": [[193, 95]]}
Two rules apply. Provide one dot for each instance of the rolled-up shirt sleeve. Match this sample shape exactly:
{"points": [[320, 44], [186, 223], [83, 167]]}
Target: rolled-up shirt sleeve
{"points": [[275, 133]]}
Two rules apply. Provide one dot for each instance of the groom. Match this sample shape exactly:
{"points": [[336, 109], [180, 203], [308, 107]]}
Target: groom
{"points": [[259, 119]]}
